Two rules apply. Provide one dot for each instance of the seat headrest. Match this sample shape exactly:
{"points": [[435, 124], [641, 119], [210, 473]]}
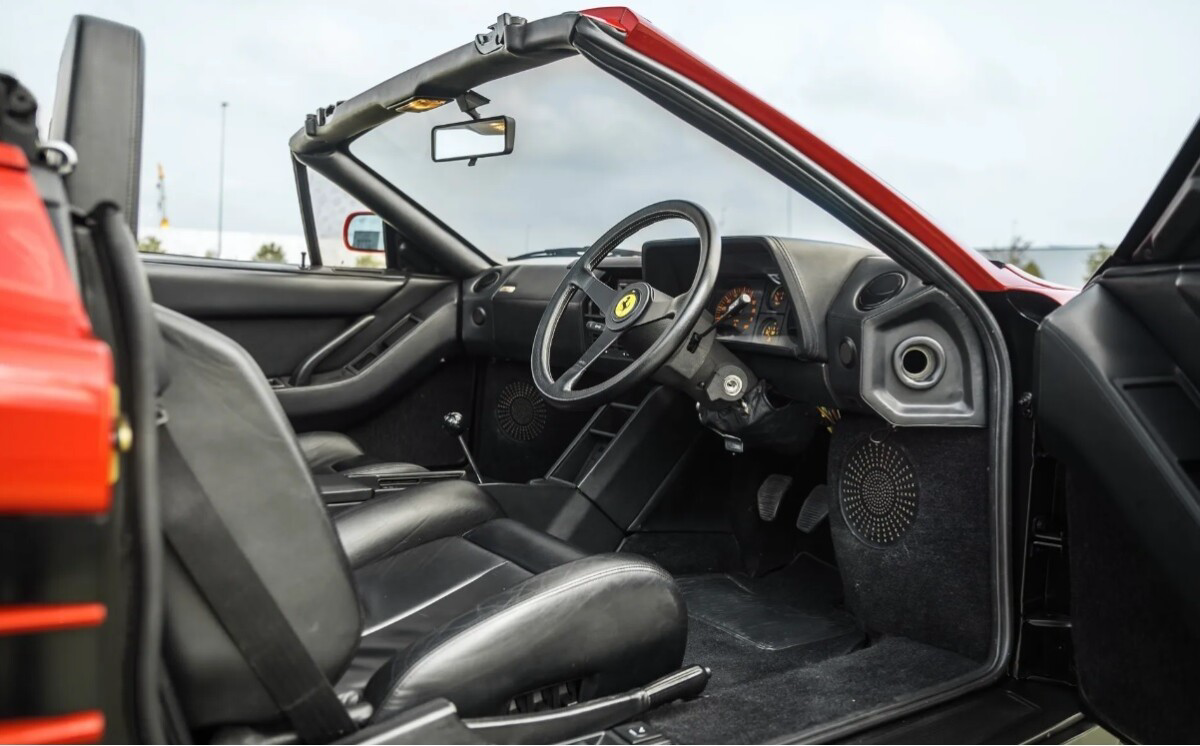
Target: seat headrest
{"points": [[98, 112]]}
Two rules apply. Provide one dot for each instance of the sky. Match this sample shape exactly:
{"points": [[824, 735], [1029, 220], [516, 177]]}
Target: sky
{"points": [[1049, 120]]}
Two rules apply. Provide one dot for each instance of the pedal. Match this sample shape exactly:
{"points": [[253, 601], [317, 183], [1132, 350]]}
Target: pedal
{"points": [[814, 510], [770, 495]]}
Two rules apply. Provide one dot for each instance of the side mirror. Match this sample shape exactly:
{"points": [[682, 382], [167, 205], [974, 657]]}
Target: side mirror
{"points": [[363, 231], [476, 138]]}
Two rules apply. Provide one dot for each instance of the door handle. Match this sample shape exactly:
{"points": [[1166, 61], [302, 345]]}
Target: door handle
{"points": [[305, 370]]}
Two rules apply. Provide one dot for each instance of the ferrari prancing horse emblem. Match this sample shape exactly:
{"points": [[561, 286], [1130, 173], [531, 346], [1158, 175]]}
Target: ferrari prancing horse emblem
{"points": [[626, 305]]}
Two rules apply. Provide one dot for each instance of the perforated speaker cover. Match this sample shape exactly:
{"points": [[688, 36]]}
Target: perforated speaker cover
{"points": [[520, 411], [878, 492]]}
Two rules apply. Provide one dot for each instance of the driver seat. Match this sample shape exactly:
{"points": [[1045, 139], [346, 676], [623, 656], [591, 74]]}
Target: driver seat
{"points": [[422, 594]]}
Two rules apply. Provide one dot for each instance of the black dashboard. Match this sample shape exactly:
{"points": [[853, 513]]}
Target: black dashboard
{"points": [[830, 324]]}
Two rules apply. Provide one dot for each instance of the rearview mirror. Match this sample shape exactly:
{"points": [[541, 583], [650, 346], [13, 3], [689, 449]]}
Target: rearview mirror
{"points": [[477, 138], [363, 231]]}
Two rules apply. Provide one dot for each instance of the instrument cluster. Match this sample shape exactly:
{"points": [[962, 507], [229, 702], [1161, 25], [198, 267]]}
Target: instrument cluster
{"points": [[751, 309]]}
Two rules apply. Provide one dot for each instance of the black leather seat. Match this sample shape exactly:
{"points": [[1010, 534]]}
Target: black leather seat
{"points": [[423, 593], [327, 451]]}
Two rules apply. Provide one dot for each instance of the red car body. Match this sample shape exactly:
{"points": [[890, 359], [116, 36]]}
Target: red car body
{"points": [[56, 414]]}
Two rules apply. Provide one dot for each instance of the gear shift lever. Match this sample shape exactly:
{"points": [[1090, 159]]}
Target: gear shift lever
{"points": [[455, 424]]}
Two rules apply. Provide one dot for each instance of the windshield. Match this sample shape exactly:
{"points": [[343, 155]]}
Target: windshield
{"points": [[589, 150]]}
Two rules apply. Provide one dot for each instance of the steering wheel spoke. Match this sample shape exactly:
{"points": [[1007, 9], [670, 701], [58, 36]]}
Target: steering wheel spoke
{"points": [[660, 306], [571, 376], [594, 288]]}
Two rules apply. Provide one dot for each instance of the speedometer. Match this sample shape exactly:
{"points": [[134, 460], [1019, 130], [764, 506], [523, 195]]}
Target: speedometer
{"points": [[741, 319]]}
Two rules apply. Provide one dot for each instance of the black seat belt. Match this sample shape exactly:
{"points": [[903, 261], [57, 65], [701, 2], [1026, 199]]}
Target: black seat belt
{"points": [[244, 606]]}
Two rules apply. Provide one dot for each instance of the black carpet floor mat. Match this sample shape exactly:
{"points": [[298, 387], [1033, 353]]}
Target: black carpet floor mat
{"points": [[745, 703], [787, 609], [785, 656]]}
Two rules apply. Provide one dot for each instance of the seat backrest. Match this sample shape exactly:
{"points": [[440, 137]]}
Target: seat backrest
{"points": [[222, 415], [233, 433]]}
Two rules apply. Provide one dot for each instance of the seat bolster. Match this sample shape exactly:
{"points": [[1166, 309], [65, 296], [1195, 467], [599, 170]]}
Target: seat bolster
{"points": [[404, 519], [528, 548], [323, 449], [611, 621]]}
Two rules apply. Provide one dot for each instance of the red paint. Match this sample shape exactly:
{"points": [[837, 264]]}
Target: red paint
{"points": [[977, 271], [78, 727], [55, 378], [23, 619]]}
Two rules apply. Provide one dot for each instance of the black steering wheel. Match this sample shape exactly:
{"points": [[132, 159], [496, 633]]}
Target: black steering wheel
{"points": [[634, 307]]}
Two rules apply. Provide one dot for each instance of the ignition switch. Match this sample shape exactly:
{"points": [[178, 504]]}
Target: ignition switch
{"points": [[729, 384]]}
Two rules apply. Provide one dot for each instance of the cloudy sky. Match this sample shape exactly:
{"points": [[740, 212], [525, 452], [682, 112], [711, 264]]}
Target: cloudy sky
{"points": [[1050, 119]]}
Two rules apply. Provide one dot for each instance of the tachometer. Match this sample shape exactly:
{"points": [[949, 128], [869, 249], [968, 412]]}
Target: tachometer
{"points": [[743, 314]]}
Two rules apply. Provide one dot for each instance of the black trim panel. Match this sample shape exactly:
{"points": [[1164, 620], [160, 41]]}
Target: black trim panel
{"points": [[433, 339], [212, 292]]}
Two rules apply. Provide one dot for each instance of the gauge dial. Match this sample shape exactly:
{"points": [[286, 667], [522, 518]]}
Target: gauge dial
{"points": [[777, 299], [742, 318], [769, 328]]}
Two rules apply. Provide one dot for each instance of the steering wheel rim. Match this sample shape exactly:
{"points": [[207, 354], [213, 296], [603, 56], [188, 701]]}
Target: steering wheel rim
{"points": [[622, 314]]}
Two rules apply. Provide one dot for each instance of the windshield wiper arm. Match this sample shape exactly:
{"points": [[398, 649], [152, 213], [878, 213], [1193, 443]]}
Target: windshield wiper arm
{"points": [[552, 253]]}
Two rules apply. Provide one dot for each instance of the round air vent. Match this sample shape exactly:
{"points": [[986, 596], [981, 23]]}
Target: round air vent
{"points": [[878, 492], [486, 281], [880, 290], [520, 411]]}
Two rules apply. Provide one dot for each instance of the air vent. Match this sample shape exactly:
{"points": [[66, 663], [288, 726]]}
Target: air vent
{"points": [[878, 492], [880, 290], [488, 279]]}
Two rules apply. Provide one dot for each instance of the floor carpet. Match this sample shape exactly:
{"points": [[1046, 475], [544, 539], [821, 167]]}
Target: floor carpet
{"points": [[785, 656]]}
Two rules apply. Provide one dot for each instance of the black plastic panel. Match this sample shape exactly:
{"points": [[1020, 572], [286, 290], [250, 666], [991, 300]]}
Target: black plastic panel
{"points": [[1116, 402], [867, 339]]}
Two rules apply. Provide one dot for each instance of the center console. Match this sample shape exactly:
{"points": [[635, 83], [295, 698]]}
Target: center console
{"points": [[610, 476]]}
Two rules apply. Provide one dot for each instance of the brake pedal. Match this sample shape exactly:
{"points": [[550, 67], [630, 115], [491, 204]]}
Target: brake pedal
{"points": [[770, 495], [814, 510]]}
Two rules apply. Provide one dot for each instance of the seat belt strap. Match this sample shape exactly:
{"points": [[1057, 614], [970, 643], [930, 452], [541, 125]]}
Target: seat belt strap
{"points": [[241, 602]]}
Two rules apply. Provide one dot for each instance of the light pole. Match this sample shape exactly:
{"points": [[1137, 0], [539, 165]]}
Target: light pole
{"points": [[221, 180]]}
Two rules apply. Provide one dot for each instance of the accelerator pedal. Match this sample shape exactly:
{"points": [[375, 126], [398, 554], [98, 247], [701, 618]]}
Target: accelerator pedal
{"points": [[770, 495], [814, 510]]}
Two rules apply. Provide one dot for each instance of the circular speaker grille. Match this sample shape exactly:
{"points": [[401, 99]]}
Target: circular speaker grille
{"points": [[521, 411], [879, 493]]}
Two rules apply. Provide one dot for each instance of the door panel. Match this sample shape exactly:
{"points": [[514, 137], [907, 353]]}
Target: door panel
{"points": [[241, 290], [404, 326], [282, 315], [1117, 403]]}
